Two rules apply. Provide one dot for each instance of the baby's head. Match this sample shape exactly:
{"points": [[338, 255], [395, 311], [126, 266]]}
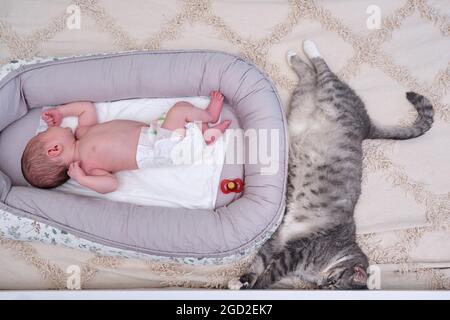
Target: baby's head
{"points": [[47, 156]]}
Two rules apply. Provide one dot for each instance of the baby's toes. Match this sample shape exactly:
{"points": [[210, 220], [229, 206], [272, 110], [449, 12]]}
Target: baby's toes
{"points": [[216, 95]]}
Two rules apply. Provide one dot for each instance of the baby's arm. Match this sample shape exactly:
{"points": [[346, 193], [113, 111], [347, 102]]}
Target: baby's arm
{"points": [[99, 180], [84, 110]]}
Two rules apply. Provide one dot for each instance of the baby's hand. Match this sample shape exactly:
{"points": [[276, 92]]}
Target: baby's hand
{"points": [[75, 171], [52, 117]]}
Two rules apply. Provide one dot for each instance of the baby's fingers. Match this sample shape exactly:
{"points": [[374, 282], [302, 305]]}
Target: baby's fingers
{"points": [[49, 119], [72, 171]]}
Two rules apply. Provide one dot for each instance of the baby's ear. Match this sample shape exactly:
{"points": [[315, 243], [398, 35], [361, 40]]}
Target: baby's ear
{"points": [[54, 150]]}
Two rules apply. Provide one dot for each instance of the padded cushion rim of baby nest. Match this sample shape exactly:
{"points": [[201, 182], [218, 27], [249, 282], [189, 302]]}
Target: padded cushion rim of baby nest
{"points": [[179, 232]]}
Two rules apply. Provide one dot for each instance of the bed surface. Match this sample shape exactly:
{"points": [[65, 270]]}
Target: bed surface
{"points": [[404, 208]]}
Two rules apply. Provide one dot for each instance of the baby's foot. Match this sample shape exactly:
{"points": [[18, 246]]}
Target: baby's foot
{"points": [[213, 133], [215, 106]]}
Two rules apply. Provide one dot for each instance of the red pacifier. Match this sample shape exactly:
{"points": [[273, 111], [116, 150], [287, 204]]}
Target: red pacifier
{"points": [[228, 186]]}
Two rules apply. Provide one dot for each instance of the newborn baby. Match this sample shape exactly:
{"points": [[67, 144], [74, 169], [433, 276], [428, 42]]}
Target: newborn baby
{"points": [[96, 151]]}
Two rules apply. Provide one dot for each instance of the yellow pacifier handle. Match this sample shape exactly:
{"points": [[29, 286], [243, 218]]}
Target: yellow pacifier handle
{"points": [[231, 185]]}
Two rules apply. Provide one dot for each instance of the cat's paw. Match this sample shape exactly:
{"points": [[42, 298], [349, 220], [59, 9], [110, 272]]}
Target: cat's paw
{"points": [[310, 49], [289, 55], [235, 284]]}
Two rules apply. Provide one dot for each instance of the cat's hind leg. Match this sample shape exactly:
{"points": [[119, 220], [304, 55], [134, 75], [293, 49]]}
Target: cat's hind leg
{"points": [[310, 49], [302, 102], [324, 74], [306, 74]]}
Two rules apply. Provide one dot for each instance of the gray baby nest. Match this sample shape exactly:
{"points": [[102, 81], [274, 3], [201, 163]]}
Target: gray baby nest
{"points": [[235, 225]]}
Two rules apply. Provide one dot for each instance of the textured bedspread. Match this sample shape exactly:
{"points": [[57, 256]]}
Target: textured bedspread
{"points": [[403, 215]]}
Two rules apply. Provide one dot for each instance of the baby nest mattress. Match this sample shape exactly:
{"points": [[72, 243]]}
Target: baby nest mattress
{"points": [[238, 224]]}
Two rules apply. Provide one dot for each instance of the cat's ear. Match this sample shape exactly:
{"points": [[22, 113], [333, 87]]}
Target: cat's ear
{"points": [[359, 275]]}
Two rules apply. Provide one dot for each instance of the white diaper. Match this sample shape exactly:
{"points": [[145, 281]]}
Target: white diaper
{"points": [[155, 147]]}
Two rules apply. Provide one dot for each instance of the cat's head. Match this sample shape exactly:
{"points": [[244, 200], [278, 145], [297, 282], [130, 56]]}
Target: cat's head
{"points": [[347, 274]]}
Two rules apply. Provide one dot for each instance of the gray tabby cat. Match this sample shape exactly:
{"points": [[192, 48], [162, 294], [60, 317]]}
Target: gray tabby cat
{"points": [[327, 124]]}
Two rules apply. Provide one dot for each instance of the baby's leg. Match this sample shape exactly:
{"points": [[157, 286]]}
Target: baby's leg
{"points": [[183, 112], [215, 105], [211, 134]]}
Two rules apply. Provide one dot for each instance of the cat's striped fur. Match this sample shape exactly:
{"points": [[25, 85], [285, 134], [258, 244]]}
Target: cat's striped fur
{"points": [[327, 124]]}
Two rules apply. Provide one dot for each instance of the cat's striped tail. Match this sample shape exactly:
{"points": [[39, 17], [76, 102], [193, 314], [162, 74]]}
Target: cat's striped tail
{"points": [[421, 125]]}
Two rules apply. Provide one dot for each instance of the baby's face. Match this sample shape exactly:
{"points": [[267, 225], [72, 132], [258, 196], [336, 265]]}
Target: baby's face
{"points": [[58, 135]]}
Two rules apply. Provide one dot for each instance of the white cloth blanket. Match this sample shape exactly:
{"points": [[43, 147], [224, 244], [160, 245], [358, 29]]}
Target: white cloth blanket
{"points": [[192, 185]]}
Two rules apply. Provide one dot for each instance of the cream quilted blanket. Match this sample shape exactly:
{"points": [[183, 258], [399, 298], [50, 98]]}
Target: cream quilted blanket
{"points": [[383, 48]]}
